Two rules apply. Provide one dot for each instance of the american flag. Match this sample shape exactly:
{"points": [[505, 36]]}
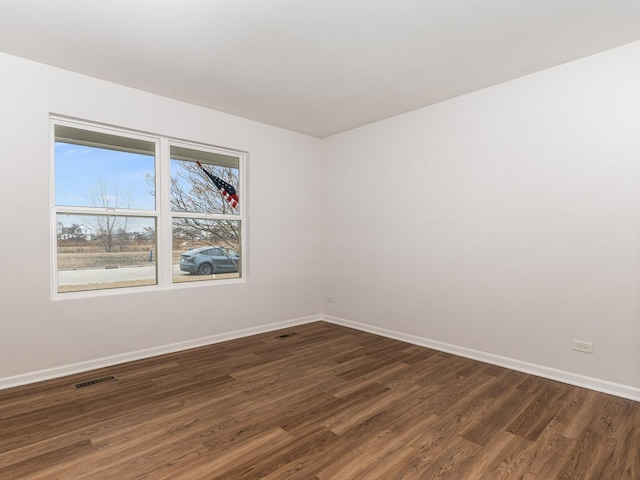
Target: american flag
{"points": [[226, 189]]}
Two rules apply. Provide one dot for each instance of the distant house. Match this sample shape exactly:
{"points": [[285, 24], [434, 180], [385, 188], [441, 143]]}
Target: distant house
{"points": [[75, 232], [143, 236]]}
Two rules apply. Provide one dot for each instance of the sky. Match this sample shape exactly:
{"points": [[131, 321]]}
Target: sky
{"points": [[80, 169]]}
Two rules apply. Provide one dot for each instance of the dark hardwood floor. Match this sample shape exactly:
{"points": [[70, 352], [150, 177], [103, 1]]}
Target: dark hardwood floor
{"points": [[326, 402]]}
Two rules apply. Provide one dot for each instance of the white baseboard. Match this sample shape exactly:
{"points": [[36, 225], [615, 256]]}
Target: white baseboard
{"points": [[74, 368], [604, 386], [619, 390]]}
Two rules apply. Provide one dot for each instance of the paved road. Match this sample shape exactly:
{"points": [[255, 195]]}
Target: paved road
{"points": [[111, 275]]}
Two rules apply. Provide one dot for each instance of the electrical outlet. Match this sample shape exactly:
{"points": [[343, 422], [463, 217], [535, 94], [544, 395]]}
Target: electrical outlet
{"points": [[586, 347], [330, 299]]}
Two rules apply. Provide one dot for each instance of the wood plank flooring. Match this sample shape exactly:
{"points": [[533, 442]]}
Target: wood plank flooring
{"points": [[324, 403]]}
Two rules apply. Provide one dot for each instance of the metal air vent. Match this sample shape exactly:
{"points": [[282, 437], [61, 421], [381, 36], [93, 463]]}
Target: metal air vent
{"points": [[286, 335], [95, 381]]}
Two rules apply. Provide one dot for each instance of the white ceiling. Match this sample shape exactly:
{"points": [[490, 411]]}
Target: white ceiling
{"points": [[313, 66]]}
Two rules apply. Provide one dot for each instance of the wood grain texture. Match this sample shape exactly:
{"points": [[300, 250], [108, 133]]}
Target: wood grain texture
{"points": [[328, 403]]}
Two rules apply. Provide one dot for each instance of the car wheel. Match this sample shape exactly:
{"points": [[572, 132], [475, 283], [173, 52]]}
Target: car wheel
{"points": [[205, 269]]}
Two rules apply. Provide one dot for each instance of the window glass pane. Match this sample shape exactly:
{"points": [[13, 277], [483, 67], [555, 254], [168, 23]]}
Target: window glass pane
{"points": [[105, 251], [104, 171], [194, 259], [211, 187]]}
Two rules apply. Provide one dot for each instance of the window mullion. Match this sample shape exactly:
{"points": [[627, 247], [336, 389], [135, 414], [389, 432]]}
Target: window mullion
{"points": [[165, 247]]}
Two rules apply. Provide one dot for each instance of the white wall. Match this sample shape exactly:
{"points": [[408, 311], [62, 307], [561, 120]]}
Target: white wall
{"points": [[505, 221], [284, 205]]}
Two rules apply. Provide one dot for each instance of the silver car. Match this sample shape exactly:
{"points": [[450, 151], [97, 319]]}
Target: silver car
{"points": [[210, 260]]}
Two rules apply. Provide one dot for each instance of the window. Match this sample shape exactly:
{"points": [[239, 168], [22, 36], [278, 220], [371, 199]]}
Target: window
{"points": [[137, 210], [201, 219]]}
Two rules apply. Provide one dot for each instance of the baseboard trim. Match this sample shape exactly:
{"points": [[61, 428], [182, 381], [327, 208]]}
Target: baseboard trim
{"points": [[57, 372], [599, 385], [604, 386]]}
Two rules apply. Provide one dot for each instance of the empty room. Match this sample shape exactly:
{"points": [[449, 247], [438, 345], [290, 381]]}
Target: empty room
{"points": [[337, 240]]}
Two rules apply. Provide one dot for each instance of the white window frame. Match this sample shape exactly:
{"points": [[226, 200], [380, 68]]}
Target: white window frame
{"points": [[162, 212]]}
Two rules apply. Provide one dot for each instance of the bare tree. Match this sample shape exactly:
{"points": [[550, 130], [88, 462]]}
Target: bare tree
{"points": [[193, 192], [200, 195], [111, 230]]}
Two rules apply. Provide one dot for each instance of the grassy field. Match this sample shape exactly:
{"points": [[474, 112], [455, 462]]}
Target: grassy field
{"points": [[92, 255], [70, 261]]}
